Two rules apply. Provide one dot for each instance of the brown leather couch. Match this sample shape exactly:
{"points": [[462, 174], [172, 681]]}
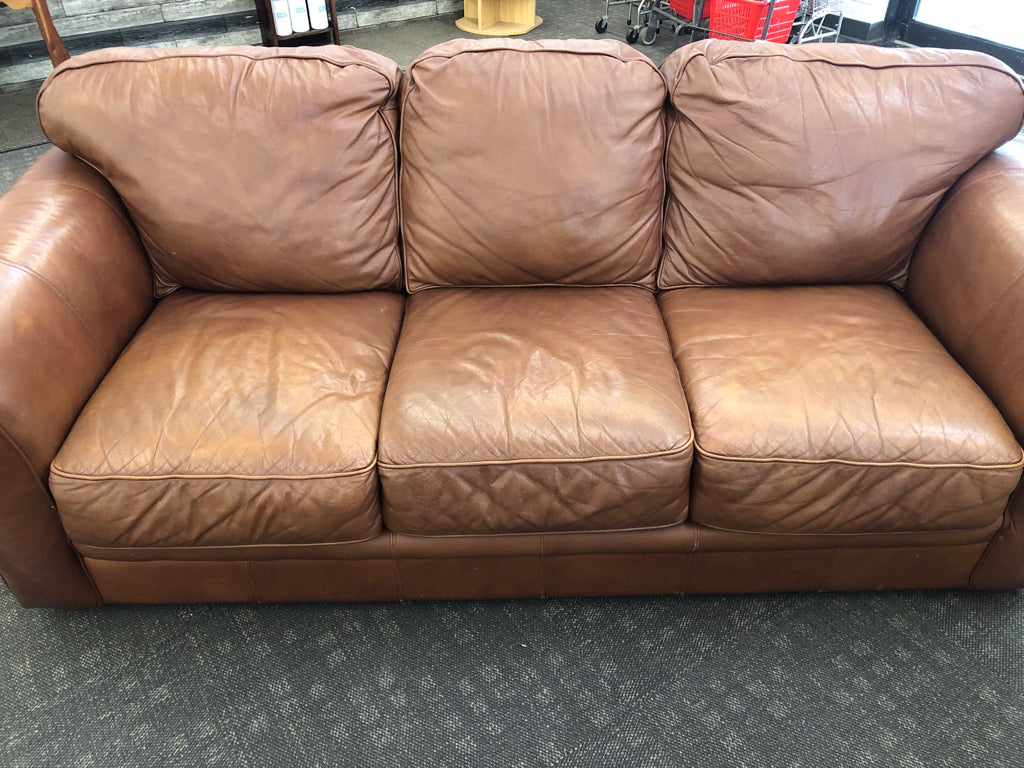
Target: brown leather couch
{"points": [[530, 319]]}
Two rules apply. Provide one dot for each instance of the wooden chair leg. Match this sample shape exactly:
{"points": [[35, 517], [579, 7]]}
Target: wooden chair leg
{"points": [[54, 45]]}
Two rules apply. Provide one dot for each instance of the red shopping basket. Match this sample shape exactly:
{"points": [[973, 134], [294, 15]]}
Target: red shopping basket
{"points": [[745, 19], [684, 8]]}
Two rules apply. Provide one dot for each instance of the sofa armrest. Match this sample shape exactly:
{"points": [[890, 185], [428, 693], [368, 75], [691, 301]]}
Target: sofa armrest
{"points": [[74, 287], [967, 283]]}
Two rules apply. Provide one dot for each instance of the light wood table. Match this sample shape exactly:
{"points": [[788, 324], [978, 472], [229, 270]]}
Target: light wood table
{"points": [[500, 18]]}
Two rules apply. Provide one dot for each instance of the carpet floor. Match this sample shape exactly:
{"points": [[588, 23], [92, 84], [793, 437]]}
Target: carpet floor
{"points": [[858, 679]]}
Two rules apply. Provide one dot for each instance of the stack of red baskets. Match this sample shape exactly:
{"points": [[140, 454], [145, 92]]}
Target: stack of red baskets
{"points": [[731, 19]]}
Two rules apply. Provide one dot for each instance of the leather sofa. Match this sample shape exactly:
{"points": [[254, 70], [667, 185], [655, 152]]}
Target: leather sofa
{"points": [[530, 319]]}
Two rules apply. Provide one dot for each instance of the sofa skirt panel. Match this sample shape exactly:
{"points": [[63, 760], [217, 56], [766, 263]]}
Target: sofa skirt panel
{"points": [[684, 559]]}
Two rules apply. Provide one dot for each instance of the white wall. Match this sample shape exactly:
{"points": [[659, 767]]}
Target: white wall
{"points": [[868, 11]]}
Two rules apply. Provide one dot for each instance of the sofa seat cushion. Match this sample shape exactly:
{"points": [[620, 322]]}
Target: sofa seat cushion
{"points": [[235, 420], [533, 410], [832, 409]]}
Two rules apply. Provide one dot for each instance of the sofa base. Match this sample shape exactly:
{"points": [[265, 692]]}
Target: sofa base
{"points": [[389, 575]]}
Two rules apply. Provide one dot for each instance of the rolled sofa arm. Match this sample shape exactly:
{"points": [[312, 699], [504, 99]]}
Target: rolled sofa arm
{"points": [[967, 283], [74, 287]]}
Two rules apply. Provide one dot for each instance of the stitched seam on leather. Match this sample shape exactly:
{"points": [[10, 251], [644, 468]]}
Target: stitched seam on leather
{"points": [[931, 532], [252, 582], [978, 179], [394, 565], [1014, 281], [543, 568], [505, 462], [93, 549], [866, 65], [430, 286], [1006, 525], [527, 51], [64, 299], [831, 565], [543, 533], [850, 462], [6, 436], [85, 569], [224, 476], [93, 193], [74, 66]]}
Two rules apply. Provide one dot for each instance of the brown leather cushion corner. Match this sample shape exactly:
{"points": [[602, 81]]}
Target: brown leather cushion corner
{"points": [[832, 409], [819, 163], [244, 168], [532, 163], [531, 410], [234, 420]]}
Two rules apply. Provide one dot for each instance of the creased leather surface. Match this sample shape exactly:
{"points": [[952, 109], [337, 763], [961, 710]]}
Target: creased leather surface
{"points": [[967, 281], [532, 163], [533, 409], [75, 286], [245, 169], [235, 419], [833, 410], [819, 163]]}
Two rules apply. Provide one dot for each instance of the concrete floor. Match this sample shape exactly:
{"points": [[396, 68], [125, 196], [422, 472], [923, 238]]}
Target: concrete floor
{"points": [[21, 140]]}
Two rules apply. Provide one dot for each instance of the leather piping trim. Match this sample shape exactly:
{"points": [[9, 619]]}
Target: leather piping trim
{"points": [[984, 532], [6, 436], [580, 460], [685, 519], [64, 300], [424, 286], [237, 52], [850, 462], [1007, 72], [637, 58], [92, 193], [226, 476], [96, 551]]}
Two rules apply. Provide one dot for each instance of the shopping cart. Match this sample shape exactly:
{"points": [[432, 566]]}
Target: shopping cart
{"points": [[726, 19], [681, 15], [812, 21], [638, 16], [753, 19]]}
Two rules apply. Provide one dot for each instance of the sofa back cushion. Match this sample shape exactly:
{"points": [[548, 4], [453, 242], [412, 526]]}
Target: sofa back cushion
{"points": [[244, 169], [819, 163], [532, 163]]}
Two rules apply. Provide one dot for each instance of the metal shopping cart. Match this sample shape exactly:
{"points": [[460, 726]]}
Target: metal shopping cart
{"points": [[771, 20], [638, 17], [812, 21]]}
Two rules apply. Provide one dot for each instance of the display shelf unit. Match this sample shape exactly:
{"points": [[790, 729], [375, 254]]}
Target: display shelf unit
{"points": [[271, 39], [500, 18]]}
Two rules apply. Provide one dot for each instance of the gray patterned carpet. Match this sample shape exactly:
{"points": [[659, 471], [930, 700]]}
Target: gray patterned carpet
{"points": [[897, 679]]}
